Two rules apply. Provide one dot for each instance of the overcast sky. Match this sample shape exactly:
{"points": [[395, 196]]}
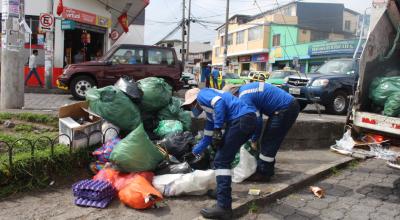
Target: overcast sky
{"points": [[162, 16]]}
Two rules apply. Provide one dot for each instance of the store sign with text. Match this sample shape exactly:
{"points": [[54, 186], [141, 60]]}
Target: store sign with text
{"points": [[339, 47], [244, 59], [85, 17], [263, 57]]}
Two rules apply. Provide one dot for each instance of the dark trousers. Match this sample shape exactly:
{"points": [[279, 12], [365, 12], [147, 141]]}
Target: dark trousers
{"points": [[275, 131], [215, 81], [35, 73], [237, 133]]}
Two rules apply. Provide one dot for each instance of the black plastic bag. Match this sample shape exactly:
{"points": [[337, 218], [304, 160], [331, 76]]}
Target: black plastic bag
{"points": [[174, 169], [201, 162], [178, 144], [131, 89]]}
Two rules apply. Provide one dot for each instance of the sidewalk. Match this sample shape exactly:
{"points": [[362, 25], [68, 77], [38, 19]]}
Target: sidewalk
{"points": [[368, 191], [294, 169]]}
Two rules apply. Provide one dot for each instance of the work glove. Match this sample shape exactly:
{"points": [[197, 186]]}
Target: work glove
{"points": [[217, 139]]}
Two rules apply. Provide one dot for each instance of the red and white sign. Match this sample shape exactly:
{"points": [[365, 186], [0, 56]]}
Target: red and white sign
{"points": [[244, 59], [114, 35], [80, 16], [377, 122], [46, 22]]}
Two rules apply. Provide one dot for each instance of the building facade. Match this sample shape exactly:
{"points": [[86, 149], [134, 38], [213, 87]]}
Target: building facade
{"points": [[83, 26], [251, 39]]}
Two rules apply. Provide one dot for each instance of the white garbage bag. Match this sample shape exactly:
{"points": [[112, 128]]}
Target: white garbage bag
{"points": [[246, 167], [346, 143], [195, 183]]}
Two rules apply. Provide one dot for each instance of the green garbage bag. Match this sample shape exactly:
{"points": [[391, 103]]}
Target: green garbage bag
{"points": [[382, 88], [136, 153], [173, 111], [156, 93], [166, 127], [114, 106], [392, 105]]}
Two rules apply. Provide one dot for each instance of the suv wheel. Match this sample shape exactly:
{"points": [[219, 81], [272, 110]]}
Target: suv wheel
{"points": [[339, 103], [80, 85]]}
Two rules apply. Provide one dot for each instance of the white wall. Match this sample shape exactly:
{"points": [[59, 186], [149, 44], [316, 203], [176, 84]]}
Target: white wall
{"points": [[134, 36]]}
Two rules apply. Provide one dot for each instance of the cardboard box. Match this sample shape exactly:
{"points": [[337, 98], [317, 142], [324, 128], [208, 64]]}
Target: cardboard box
{"points": [[68, 125]]}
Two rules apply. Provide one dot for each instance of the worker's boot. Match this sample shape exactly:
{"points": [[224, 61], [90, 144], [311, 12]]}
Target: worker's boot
{"points": [[217, 212], [265, 171]]}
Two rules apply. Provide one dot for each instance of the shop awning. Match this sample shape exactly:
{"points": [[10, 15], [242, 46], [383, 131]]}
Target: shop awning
{"points": [[133, 8]]}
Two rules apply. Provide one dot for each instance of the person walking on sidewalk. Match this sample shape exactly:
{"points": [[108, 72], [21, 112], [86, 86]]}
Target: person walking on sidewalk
{"points": [[240, 119], [32, 68], [282, 110]]}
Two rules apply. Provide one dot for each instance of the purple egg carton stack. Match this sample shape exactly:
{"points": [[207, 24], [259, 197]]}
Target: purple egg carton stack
{"points": [[93, 193]]}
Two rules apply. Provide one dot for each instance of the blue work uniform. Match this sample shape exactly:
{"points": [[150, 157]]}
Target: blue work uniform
{"points": [[224, 108], [282, 110], [215, 75]]}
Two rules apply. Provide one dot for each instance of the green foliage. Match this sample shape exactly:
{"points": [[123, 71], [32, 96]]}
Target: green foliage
{"points": [[253, 207], [23, 128], [30, 117]]}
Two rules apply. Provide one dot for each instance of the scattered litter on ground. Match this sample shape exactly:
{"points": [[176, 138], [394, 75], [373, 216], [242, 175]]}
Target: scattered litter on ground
{"points": [[317, 191], [254, 192]]}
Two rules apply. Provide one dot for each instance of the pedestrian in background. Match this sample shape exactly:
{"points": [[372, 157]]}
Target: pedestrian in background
{"points": [[215, 75], [207, 73], [32, 68]]}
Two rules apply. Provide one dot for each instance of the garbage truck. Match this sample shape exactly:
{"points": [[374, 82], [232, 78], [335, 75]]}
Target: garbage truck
{"points": [[373, 120]]}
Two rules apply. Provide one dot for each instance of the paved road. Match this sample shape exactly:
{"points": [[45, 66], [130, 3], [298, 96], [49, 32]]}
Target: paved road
{"points": [[368, 191]]}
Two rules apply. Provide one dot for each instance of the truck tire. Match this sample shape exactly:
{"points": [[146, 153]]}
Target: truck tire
{"points": [[339, 103], [79, 85]]}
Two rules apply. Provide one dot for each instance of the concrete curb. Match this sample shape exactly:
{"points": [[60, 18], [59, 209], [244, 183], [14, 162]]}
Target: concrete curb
{"points": [[283, 190]]}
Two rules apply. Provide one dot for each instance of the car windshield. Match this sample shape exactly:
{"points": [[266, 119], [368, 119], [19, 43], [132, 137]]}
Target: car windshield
{"points": [[336, 67], [231, 76], [279, 74]]}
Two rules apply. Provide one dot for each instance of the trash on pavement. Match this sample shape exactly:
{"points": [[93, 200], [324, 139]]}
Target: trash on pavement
{"points": [[201, 162], [93, 193], [131, 89], [118, 179], [195, 183], [110, 131], [178, 144], [136, 152], [139, 193], [254, 192], [168, 127], [346, 143], [114, 106], [318, 192], [247, 166], [175, 169], [104, 152], [156, 94], [68, 125]]}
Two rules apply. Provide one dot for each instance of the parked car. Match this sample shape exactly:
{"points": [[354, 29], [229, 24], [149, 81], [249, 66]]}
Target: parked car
{"points": [[125, 60], [259, 76], [232, 78], [277, 77], [329, 86], [189, 81]]}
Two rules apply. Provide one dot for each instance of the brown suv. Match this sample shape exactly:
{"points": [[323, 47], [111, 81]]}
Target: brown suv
{"points": [[124, 60]]}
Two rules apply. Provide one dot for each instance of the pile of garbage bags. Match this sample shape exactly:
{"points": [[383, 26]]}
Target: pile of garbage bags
{"points": [[385, 92], [147, 136]]}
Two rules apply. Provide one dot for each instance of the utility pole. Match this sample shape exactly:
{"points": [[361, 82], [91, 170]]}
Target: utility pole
{"points": [[12, 62], [188, 34], [224, 66], [49, 52], [183, 35]]}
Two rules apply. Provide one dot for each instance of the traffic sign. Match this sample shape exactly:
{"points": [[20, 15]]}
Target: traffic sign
{"points": [[46, 22], [114, 35]]}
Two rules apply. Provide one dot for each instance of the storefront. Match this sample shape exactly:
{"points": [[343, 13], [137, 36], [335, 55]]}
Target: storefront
{"points": [[259, 62], [84, 35], [244, 63]]}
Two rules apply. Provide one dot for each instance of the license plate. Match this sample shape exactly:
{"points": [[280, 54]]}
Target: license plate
{"points": [[294, 91]]}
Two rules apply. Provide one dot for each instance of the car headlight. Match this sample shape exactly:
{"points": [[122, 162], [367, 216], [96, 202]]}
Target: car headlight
{"points": [[320, 83], [286, 79]]}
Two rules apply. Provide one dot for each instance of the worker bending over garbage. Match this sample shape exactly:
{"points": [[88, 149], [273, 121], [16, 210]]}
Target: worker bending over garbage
{"points": [[282, 110], [240, 120]]}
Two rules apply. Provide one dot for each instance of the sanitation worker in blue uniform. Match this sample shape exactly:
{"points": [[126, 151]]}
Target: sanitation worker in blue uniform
{"points": [[221, 108], [282, 110]]}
